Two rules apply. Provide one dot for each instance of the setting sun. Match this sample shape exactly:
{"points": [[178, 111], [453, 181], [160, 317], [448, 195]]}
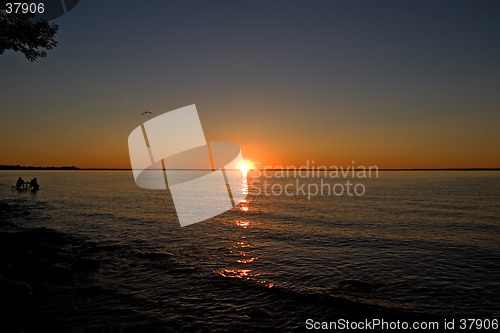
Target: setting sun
{"points": [[244, 166]]}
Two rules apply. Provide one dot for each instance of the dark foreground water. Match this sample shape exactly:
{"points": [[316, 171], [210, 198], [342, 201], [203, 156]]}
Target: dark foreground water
{"points": [[415, 245]]}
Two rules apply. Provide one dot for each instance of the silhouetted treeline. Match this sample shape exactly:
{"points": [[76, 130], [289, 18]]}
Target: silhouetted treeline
{"points": [[21, 167]]}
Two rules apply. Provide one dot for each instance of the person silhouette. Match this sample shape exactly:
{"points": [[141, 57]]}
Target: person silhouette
{"points": [[20, 183], [34, 185]]}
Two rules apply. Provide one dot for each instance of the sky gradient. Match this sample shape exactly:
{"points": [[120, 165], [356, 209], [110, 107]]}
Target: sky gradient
{"points": [[397, 84]]}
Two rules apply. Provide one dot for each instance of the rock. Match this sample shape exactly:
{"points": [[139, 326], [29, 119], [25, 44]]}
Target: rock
{"points": [[18, 289], [59, 257], [15, 295], [87, 264], [46, 235], [42, 263], [4, 207], [61, 271], [33, 269]]}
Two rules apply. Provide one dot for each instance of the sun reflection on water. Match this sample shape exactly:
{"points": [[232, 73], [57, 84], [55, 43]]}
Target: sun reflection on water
{"points": [[244, 183], [242, 249], [243, 224]]}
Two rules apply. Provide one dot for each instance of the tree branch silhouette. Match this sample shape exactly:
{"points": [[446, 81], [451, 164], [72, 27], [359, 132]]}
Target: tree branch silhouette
{"points": [[20, 33]]}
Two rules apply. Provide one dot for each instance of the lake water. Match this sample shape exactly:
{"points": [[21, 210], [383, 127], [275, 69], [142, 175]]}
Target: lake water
{"points": [[417, 242]]}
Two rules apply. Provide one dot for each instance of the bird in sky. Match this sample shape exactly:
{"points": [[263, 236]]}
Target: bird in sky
{"points": [[145, 112]]}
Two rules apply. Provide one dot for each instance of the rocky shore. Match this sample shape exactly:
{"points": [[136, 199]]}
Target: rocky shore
{"points": [[32, 263]]}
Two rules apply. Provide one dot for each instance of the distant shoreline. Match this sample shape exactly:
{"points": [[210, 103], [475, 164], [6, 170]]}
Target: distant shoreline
{"points": [[21, 167], [74, 168]]}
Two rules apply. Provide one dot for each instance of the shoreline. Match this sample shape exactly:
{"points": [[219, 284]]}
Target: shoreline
{"points": [[34, 263]]}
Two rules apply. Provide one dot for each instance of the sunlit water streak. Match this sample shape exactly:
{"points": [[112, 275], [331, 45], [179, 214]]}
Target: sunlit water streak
{"points": [[416, 241]]}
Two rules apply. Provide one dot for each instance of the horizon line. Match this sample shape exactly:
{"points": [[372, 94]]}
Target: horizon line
{"points": [[318, 169], [298, 169]]}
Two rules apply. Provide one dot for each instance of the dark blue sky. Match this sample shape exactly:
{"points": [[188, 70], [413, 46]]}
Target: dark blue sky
{"points": [[391, 83]]}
